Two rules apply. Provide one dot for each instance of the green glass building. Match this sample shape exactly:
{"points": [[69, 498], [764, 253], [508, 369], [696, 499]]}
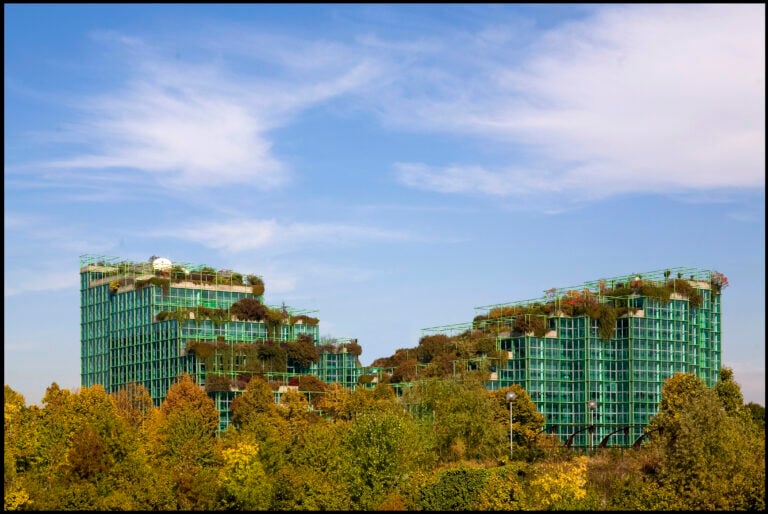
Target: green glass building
{"points": [[594, 357], [147, 322]]}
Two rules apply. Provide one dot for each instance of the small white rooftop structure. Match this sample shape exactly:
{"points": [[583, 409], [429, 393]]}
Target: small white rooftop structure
{"points": [[162, 264]]}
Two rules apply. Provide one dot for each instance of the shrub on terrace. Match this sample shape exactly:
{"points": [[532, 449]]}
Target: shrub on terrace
{"points": [[249, 309]]}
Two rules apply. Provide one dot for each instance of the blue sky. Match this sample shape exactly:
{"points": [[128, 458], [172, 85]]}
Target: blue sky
{"points": [[392, 166]]}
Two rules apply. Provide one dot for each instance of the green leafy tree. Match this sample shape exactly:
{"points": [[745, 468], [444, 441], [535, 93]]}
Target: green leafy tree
{"points": [[527, 421], [312, 478], [86, 456], [757, 413], [344, 405], [678, 392], [466, 420], [454, 489], [729, 392], [380, 449], [713, 457], [503, 489]]}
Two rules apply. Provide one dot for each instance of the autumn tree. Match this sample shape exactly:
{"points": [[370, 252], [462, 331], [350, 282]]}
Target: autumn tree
{"points": [[249, 309], [244, 484], [86, 456], [430, 346], [188, 423], [301, 353], [558, 485], [296, 410], [441, 366], [380, 449], [258, 398], [335, 401], [757, 413], [313, 387], [406, 371], [255, 414], [183, 437], [133, 403], [712, 456], [312, 478], [459, 413], [527, 421], [16, 420], [729, 392], [344, 405]]}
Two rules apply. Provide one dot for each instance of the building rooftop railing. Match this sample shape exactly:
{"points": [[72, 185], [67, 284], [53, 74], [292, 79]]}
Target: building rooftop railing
{"points": [[659, 276]]}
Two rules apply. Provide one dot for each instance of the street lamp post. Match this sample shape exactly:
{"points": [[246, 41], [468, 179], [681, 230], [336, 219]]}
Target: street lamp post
{"points": [[593, 408], [510, 398]]}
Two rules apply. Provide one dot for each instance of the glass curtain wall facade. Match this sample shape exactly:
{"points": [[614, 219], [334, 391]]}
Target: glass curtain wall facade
{"points": [[337, 364], [581, 375], [147, 322]]}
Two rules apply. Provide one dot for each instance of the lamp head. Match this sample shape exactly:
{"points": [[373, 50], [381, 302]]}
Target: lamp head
{"points": [[511, 396]]}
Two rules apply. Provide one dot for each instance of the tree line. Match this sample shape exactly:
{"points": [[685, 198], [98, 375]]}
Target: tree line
{"points": [[443, 445]]}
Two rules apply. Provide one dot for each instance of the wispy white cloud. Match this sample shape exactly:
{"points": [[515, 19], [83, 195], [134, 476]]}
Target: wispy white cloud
{"points": [[473, 179], [650, 98], [207, 121], [647, 98], [186, 137], [250, 234]]}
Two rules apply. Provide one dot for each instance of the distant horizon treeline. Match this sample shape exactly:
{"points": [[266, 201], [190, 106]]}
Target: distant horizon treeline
{"points": [[443, 445]]}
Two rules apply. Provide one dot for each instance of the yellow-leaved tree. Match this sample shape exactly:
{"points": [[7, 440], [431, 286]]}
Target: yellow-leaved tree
{"points": [[16, 497], [558, 485], [244, 485]]}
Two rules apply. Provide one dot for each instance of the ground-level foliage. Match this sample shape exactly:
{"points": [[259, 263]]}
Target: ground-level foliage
{"points": [[443, 446]]}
